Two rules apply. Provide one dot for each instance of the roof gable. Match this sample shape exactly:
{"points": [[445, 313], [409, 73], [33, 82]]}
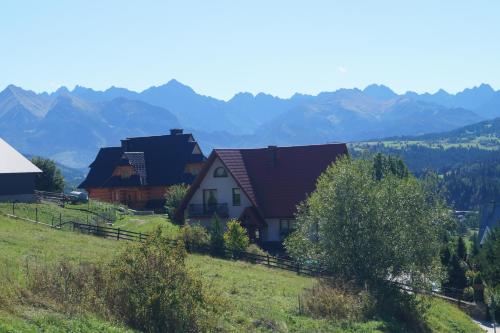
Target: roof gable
{"points": [[275, 179], [490, 218], [159, 160], [11, 161]]}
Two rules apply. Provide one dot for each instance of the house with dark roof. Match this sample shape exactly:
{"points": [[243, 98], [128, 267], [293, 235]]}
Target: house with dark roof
{"points": [[17, 175], [139, 172], [490, 219], [260, 187]]}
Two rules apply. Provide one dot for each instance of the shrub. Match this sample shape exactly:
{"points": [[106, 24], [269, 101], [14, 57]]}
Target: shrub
{"points": [[236, 237], [148, 287], [173, 199], [216, 236], [469, 294], [155, 292], [194, 236], [336, 300]]}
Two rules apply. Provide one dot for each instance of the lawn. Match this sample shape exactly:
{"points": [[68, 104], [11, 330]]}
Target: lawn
{"points": [[145, 224], [258, 299]]}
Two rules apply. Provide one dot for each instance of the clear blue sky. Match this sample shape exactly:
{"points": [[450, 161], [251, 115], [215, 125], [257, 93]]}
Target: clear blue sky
{"points": [[223, 47]]}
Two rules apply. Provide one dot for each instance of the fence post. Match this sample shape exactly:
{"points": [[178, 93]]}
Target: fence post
{"points": [[60, 220], [298, 268], [118, 234], [36, 214]]}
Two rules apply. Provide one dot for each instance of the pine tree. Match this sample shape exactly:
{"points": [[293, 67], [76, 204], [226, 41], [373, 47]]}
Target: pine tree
{"points": [[216, 236], [461, 249]]}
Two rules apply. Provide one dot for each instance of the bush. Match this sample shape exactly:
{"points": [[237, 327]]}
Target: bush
{"points": [[336, 300], [469, 294], [236, 237], [148, 287], [173, 199], [194, 236]]}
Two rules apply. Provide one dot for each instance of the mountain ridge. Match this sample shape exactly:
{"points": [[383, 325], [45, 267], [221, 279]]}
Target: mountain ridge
{"points": [[70, 125]]}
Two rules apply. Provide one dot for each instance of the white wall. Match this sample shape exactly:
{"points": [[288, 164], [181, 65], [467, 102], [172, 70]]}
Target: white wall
{"points": [[224, 186]]}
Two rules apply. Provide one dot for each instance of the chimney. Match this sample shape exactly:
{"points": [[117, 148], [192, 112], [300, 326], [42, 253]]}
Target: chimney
{"points": [[273, 155], [176, 131], [125, 144]]}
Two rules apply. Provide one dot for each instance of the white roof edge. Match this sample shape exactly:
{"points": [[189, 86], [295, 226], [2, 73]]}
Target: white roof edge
{"points": [[11, 161]]}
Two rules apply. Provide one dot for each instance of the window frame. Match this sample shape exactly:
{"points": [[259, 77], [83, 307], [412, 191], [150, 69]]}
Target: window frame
{"points": [[234, 196], [224, 175]]}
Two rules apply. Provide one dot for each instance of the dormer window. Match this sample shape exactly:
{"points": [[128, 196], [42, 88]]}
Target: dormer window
{"points": [[220, 172]]}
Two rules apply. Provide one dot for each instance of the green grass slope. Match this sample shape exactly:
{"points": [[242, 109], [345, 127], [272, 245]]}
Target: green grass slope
{"points": [[258, 299]]}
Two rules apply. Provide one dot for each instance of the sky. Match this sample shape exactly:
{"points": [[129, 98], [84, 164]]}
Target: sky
{"points": [[279, 47]]}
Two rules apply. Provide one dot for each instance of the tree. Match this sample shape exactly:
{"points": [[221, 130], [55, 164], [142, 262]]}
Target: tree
{"points": [[368, 228], [216, 236], [456, 273], [488, 258], [50, 179], [236, 237], [461, 249], [173, 199]]}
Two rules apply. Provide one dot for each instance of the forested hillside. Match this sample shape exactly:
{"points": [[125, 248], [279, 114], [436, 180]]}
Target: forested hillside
{"points": [[471, 176]]}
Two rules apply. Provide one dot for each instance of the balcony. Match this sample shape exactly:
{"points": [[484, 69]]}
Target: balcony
{"points": [[202, 210]]}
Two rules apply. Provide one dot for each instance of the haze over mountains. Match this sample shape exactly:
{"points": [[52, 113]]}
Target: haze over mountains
{"points": [[70, 126]]}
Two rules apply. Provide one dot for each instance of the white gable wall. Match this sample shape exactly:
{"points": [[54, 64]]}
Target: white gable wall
{"points": [[224, 186]]}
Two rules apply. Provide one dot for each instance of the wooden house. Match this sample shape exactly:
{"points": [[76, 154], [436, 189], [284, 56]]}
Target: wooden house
{"points": [[139, 172]]}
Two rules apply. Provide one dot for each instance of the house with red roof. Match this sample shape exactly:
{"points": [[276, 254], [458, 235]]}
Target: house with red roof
{"points": [[261, 187]]}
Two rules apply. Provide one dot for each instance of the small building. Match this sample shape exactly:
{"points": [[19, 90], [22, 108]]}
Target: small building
{"points": [[17, 175], [260, 187], [139, 172], [490, 219]]}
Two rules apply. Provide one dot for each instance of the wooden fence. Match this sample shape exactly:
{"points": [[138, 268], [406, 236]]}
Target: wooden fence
{"points": [[449, 294], [267, 260]]}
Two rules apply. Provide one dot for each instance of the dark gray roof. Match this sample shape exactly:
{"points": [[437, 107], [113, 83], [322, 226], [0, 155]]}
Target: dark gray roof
{"points": [[164, 158], [490, 218]]}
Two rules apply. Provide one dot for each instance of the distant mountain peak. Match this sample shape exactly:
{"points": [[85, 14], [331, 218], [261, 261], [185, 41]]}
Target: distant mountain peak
{"points": [[379, 91]]}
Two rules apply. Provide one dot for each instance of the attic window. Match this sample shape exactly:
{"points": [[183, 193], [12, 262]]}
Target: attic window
{"points": [[220, 172]]}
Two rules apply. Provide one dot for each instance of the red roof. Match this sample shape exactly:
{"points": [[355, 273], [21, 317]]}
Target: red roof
{"points": [[275, 179]]}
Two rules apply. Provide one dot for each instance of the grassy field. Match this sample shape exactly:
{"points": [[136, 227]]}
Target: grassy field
{"points": [[259, 299], [481, 142]]}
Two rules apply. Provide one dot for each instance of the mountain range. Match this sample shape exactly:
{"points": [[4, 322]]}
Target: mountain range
{"points": [[70, 126]]}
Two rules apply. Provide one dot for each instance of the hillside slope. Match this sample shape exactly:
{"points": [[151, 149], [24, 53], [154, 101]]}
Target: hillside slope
{"points": [[259, 299]]}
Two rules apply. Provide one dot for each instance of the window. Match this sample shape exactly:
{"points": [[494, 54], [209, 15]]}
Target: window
{"points": [[286, 227], [220, 172], [236, 197], [210, 197]]}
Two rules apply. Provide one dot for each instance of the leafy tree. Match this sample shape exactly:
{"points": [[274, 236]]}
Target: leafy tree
{"points": [[50, 179], [236, 237], [173, 199], [461, 249], [216, 236], [369, 228]]}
